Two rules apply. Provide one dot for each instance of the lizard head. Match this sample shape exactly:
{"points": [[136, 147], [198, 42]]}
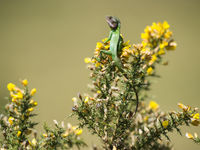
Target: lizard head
{"points": [[113, 22]]}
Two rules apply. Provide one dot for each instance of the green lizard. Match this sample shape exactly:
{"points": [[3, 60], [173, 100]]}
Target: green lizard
{"points": [[115, 49], [115, 41]]}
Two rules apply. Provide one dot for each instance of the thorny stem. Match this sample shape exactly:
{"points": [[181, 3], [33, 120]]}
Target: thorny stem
{"points": [[137, 101]]}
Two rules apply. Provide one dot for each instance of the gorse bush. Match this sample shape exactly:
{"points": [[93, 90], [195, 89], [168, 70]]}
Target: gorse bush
{"points": [[116, 112], [18, 129]]}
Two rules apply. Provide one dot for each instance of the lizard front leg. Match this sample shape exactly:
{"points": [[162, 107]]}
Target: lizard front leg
{"points": [[105, 52], [109, 37]]}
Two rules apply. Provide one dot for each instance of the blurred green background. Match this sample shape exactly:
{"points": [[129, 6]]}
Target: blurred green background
{"points": [[46, 42]]}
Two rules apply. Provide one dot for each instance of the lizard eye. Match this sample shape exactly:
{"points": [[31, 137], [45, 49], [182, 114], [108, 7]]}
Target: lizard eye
{"points": [[114, 24]]}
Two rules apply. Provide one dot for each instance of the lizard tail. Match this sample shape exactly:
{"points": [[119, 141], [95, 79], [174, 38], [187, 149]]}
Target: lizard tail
{"points": [[118, 63], [132, 114]]}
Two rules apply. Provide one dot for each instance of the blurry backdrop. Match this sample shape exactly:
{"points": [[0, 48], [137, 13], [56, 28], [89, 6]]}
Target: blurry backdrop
{"points": [[46, 42]]}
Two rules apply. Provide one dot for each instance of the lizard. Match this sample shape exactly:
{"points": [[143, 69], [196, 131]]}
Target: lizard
{"points": [[116, 41]]}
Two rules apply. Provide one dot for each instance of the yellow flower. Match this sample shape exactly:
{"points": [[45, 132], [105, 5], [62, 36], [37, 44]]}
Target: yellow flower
{"points": [[105, 39], [107, 47], [14, 96], [10, 120], [92, 98], [31, 101], [93, 61], [99, 46], [153, 59], [161, 52], [35, 104], [166, 25], [44, 135], [149, 70], [16, 111], [127, 43], [154, 25], [86, 99], [165, 123], [153, 105], [78, 131], [99, 92], [74, 99], [126, 48], [97, 64], [19, 133], [30, 109], [183, 107], [195, 119], [14, 100], [144, 44], [168, 34], [158, 28], [11, 87], [74, 127], [147, 29], [145, 51], [33, 91], [163, 45], [195, 135], [146, 118], [65, 134], [145, 36], [19, 95], [196, 116], [25, 82], [34, 142], [87, 60], [189, 136], [125, 54], [171, 46]]}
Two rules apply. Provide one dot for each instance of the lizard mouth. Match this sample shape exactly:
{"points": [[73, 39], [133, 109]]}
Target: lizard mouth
{"points": [[112, 22]]}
